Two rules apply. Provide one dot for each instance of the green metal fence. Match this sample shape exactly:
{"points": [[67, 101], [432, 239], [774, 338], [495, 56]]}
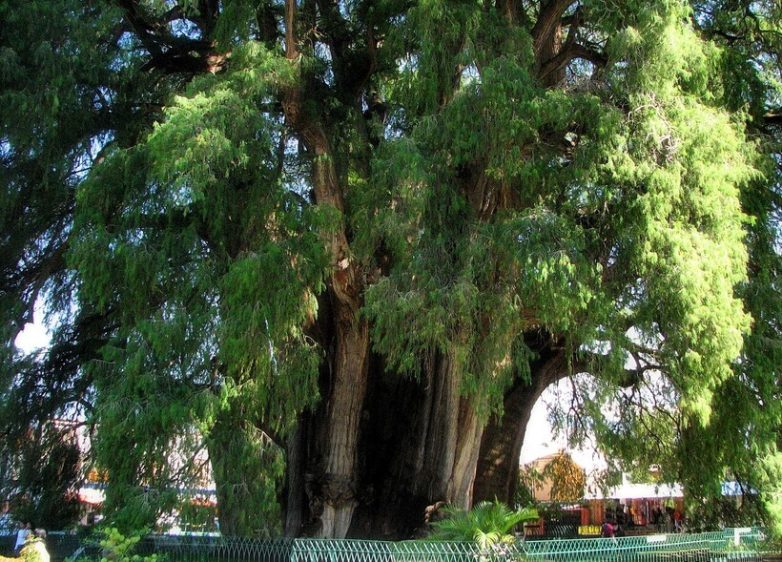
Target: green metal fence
{"points": [[702, 547], [720, 546], [724, 546], [322, 550], [211, 549]]}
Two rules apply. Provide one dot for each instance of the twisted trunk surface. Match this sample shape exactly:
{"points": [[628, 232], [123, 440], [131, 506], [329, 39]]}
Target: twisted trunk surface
{"points": [[498, 465], [345, 406]]}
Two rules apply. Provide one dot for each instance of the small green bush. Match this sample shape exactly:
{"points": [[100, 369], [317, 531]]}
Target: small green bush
{"points": [[117, 547]]}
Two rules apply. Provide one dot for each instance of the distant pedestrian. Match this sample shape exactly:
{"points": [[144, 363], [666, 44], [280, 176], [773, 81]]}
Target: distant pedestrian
{"points": [[21, 536], [667, 522], [657, 518], [677, 521]]}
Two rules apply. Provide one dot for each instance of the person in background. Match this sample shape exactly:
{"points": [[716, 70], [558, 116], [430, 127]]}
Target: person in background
{"points": [[608, 530], [21, 536], [621, 515], [677, 521], [657, 519]]}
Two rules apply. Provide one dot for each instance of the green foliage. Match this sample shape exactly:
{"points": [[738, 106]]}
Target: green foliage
{"points": [[489, 524], [249, 467], [118, 547], [198, 516], [530, 479], [46, 462], [206, 329], [769, 484], [666, 173], [729, 512], [191, 204]]}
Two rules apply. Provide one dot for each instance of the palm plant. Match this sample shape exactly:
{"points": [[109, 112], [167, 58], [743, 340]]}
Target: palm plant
{"points": [[489, 524]]}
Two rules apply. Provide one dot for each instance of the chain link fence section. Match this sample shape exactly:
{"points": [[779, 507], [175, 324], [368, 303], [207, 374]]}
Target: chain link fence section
{"points": [[216, 549], [718, 546], [314, 550]]}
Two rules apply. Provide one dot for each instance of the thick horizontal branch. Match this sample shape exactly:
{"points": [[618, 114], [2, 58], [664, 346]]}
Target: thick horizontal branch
{"points": [[194, 58], [170, 53], [773, 118], [569, 53]]}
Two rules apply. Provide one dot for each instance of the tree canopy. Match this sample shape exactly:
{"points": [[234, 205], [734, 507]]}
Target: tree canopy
{"points": [[344, 246]]}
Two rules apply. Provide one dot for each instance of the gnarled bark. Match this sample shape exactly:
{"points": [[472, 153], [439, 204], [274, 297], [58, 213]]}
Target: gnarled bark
{"points": [[345, 406], [337, 476], [498, 465], [420, 444]]}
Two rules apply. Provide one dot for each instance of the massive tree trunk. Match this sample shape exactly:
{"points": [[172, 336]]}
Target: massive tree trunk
{"points": [[412, 443], [446, 454], [323, 470], [419, 446], [344, 410], [336, 476], [498, 465], [465, 160]]}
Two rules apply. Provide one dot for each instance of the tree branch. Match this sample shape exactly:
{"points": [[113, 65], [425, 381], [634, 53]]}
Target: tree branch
{"points": [[291, 49], [170, 53], [569, 53], [773, 117], [549, 19]]}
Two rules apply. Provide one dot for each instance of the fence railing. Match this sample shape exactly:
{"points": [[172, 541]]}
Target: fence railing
{"points": [[723, 546], [702, 547]]}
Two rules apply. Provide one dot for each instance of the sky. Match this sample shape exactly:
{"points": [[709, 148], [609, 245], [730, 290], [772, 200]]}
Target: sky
{"points": [[540, 439], [33, 337]]}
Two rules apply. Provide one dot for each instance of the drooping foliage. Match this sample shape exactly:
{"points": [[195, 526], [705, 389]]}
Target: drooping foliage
{"points": [[742, 434], [212, 287], [336, 244], [46, 465]]}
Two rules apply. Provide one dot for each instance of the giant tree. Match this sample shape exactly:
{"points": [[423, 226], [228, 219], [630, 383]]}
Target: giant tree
{"points": [[345, 246]]}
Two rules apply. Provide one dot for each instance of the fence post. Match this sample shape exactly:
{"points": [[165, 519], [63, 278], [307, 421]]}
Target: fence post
{"points": [[737, 532]]}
